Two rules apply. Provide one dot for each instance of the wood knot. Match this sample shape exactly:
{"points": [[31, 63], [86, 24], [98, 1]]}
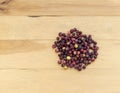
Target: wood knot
{"points": [[4, 2]]}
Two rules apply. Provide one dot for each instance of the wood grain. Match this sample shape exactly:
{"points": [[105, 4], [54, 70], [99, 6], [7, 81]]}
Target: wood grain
{"points": [[22, 27], [28, 64], [59, 7]]}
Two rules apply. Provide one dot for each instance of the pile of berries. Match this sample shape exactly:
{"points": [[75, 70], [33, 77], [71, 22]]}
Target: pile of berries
{"points": [[75, 50]]}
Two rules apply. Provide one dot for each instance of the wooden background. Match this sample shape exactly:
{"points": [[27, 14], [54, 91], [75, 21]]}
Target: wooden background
{"points": [[28, 28]]}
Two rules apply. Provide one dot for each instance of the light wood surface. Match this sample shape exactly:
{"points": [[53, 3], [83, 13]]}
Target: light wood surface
{"points": [[28, 64], [28, 28], [59, 7]]}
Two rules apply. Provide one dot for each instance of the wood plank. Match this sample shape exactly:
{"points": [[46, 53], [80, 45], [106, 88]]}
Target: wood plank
{"points": [[21, 27], [38, 54], [95, 81], [59, 7]]}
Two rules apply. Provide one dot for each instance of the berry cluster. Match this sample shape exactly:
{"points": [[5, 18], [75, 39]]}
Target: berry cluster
{"points": [[75, 50]]}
